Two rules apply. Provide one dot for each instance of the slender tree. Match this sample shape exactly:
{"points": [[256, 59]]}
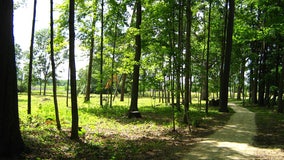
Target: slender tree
{"points": [[31, 59], [53, 67], [207, 56], [123, 81], [179, 54], [187, 60], [102, 51], [133, 110], [90, 67], [67, 87], [75, 118], [11, 143], [224, 82], [112, 64]]}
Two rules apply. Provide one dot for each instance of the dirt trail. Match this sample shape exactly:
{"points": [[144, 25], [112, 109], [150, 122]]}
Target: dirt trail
{"points": [[234, 141]]}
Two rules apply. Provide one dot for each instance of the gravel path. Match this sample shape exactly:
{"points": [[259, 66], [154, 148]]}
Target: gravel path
{"points": [[234, 141]]}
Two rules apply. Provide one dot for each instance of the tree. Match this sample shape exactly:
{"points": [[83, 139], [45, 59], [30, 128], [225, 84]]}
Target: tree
{"points": [[42, 58], [187, 61], [75, 118], [133, 110], [88, 87], [53, 67], [207, 56], [87, 18], [31, 60], [124, 76], [179, 54], [227, 59], [281, 86], [102, 51], [11, 143]]}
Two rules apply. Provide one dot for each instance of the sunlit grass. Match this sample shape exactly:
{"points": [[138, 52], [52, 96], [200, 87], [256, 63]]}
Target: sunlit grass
{"points": [[106, 132]]}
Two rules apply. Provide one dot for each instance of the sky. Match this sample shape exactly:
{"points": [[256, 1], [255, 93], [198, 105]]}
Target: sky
{"points": [[23, 28], [23, 21]]}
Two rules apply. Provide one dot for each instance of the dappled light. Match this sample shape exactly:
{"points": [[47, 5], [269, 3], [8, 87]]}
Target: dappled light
{"points": [[234, 140]]}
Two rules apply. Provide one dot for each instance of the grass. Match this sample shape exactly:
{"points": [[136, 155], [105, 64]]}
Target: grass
{"points": [[107, 133], [270, 126]]}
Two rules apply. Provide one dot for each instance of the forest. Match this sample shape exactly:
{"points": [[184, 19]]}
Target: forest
{"points": [[159, 76]]}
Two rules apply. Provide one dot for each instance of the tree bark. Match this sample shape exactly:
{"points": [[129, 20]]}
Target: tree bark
{"points": [[226, 69], [102, 51], [67, 87], [133, 110], [31, 60], [224, 41], [207, 57], [241, 80], [45, 83], [179, 55], [88, 88], [11, 143], [53, 68], [124, 75], [187, 61], [75, 118]]}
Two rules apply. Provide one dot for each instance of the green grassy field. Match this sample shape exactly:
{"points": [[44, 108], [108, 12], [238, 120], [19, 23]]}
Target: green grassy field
{"points": [[107, 133]]}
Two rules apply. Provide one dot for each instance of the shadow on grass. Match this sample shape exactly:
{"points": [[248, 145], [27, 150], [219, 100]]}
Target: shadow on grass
{"points": [[50, 144], [204, 124], [45, 142], [270, 127], [160, 115]]}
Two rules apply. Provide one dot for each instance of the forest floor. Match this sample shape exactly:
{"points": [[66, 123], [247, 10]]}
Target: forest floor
{"points": [[107, 133], [238, 139]]}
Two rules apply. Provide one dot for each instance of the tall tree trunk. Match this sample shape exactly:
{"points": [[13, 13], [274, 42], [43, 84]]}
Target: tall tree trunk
{"points": [[262, 73], [255, 84], [241, 79], [203, 70], [207, 56], [253, 80], [179, 55], [281, 86], [40, 86], [31, 60], [75, 118], [11, 143], [224, 40], [226, 70], [275, 92], [67, 87], [90, 67], [133, 110], [124, 75], [45, 84], [53, 67], [112, 65], [171, 55], [102, 51], [187, 61]]}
